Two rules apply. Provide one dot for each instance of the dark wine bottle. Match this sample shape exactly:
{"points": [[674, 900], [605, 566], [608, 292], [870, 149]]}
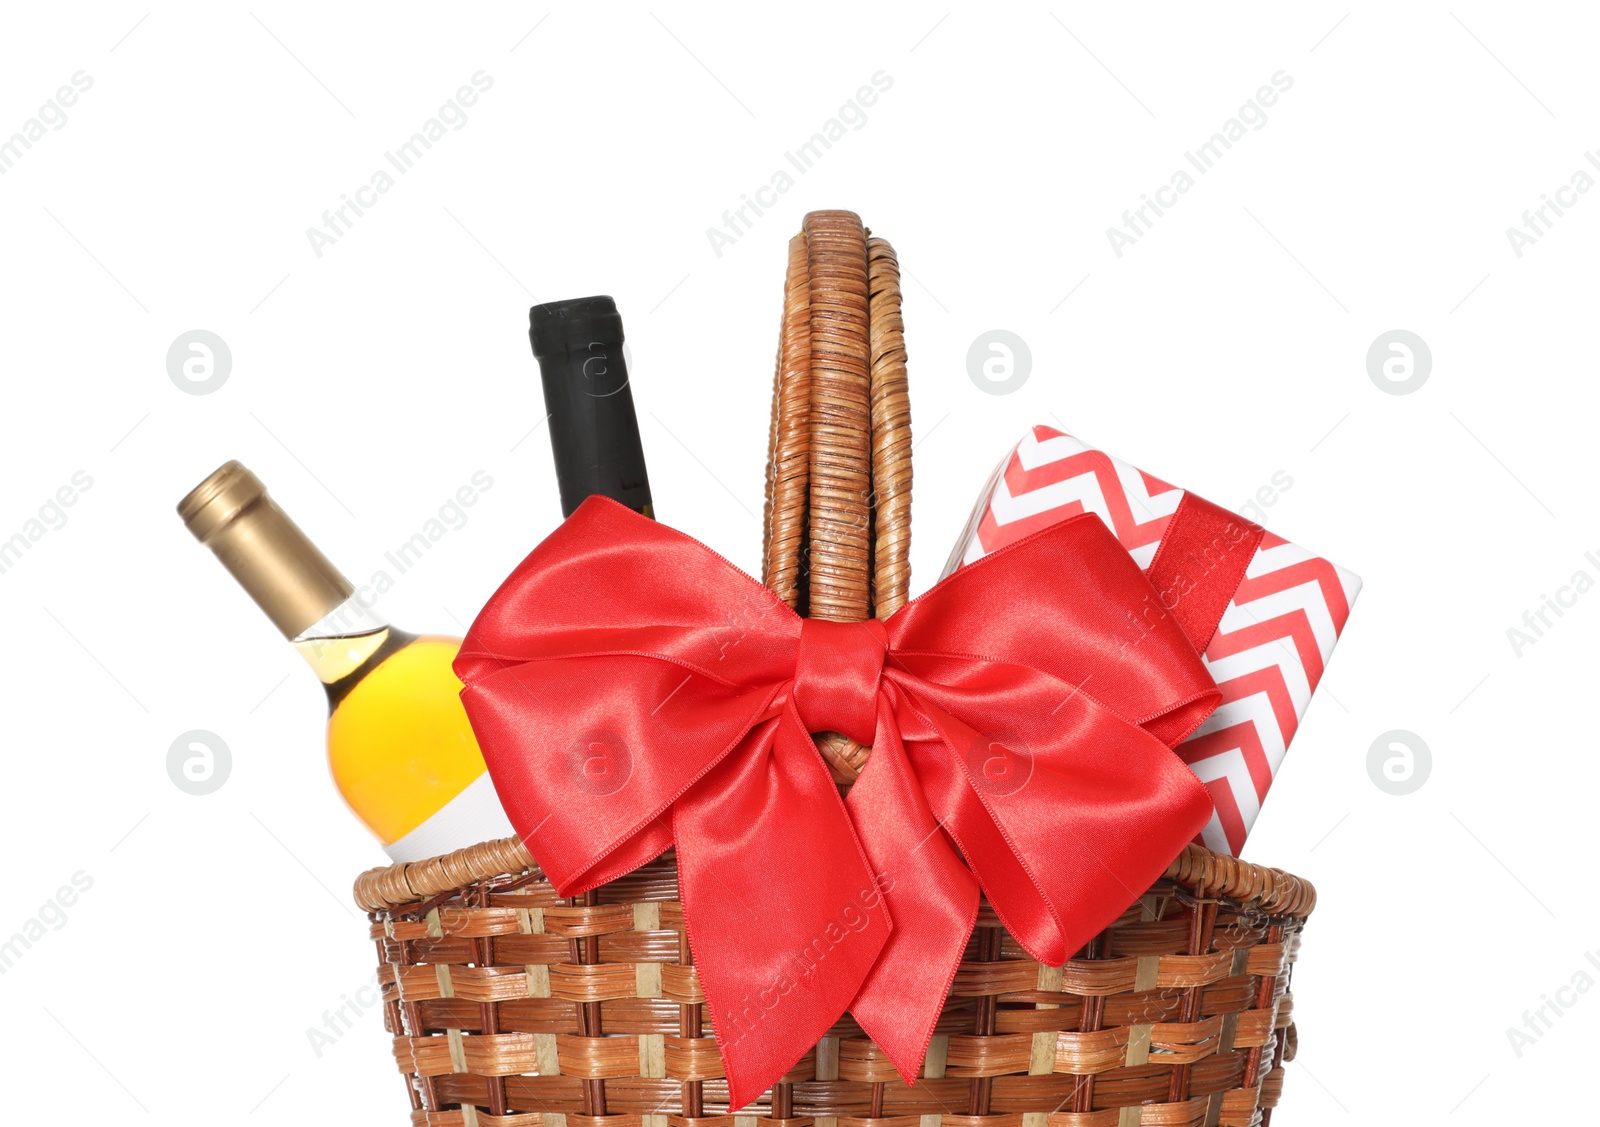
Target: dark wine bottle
{"points": [[593, 429]]}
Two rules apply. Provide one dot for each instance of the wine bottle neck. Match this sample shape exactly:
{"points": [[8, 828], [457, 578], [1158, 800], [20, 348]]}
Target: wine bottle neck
{"points": [[343, 640], [277, 564], [351, 618], [594, 431]]}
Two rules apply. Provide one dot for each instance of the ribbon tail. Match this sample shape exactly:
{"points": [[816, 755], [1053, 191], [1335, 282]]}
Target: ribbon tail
{"points": [[781, 909], [931, 894]]}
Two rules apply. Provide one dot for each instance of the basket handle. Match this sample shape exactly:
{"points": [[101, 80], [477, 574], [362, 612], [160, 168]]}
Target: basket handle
{"points": [[837, 524]]}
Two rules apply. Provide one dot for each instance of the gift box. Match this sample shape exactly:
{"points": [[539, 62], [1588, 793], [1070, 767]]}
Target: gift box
{"points": [[1277, 627]]}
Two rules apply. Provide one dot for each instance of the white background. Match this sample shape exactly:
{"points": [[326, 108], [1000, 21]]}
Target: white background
{"points": [[368, 384]]}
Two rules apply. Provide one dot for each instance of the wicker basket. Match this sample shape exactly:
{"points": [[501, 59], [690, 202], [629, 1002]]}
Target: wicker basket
{"points": [[513, 1007]]}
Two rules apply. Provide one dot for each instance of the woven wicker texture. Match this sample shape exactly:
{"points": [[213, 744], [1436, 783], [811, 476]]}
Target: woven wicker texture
{"points": [[891, 433], [840, 557], [512, 1007], [789, 448]]}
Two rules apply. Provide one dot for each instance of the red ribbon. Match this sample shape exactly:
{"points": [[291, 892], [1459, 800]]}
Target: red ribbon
{"points": [[1204, 554], [632, 691]]}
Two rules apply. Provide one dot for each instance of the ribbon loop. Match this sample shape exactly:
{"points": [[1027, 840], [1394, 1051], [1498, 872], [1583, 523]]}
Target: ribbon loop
{"points": [[836, 676]]}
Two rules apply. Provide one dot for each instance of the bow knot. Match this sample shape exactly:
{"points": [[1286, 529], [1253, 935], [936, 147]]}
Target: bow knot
{"points": [[633, 692], [836, 676]]}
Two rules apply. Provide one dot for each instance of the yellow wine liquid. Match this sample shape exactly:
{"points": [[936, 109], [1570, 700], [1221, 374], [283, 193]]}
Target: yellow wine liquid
{"points": [[399, 743]]}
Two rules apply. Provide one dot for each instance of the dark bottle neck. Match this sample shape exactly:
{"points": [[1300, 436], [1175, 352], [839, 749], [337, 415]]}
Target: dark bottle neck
{"points": [[594, 431]]}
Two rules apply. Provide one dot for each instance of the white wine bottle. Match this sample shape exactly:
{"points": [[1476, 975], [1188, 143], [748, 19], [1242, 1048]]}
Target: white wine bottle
{"points": [[399, 744]]}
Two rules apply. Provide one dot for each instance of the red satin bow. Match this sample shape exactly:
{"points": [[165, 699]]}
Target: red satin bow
{"points": [[632, 690]]}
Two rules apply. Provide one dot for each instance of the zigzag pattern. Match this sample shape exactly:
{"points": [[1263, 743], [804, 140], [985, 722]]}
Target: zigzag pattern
{"points": [[1272, 644], [1051, 476]]}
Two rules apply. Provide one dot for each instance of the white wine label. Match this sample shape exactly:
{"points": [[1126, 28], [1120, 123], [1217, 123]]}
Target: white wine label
{"points": [[473, 816]]}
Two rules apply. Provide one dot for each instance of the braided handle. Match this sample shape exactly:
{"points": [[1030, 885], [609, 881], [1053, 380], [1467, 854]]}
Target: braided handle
{"points": [[837, 527]]}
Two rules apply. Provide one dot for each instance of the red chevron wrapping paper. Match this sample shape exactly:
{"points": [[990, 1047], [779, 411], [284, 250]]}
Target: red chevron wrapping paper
{"points": [[1270, 648]]}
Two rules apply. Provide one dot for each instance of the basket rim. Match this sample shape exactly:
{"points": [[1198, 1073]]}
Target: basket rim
{"points": [[1207, 875]]}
